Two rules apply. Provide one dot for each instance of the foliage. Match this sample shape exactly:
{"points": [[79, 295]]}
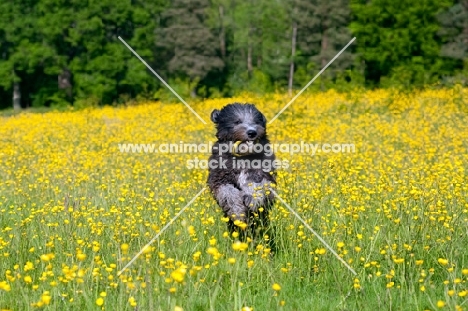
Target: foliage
{"points": [[398, 41], [61, 52]]}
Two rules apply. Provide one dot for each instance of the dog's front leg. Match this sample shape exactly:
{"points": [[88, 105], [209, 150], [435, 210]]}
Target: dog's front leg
{"points": [[256, 194], [231, 201]]}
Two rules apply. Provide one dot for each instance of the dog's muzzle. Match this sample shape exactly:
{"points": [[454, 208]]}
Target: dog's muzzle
{"points": [[250, 144]]}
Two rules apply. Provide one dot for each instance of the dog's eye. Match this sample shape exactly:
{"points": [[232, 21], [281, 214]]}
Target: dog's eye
{"points": [[238, 122]]}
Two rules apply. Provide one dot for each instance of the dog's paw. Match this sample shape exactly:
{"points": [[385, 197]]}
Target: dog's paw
{"points": [[248, 200]]}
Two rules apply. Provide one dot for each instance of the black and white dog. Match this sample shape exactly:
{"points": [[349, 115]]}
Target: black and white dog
{"points": [[240, 167]]}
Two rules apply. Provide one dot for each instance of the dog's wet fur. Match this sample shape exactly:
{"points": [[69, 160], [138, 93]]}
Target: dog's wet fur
{"points": [[242, 193]]}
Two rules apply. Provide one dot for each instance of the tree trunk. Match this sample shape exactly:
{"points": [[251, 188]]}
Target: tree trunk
{"points": [[259, 48], [222, 35], [465, 37], [193, 93], [16, 96], [64, 82], [249, 54], [193, 89], [465, 41], [324, 47], [291, 65], [249, 59]]}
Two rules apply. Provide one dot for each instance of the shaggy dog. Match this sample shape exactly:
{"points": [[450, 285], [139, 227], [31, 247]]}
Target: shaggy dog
{"points": [[240, 167]]}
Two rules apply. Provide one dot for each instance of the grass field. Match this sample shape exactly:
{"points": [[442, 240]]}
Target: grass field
{"points": [[74, 209]]}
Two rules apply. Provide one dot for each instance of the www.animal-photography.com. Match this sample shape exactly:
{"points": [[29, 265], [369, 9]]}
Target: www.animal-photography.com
{"points": [[193, 155]]}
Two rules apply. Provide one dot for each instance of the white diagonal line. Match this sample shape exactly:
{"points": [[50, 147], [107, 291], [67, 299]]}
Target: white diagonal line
{"points": [[161, 79], [160, 232], [315, 233], [311, 81]]}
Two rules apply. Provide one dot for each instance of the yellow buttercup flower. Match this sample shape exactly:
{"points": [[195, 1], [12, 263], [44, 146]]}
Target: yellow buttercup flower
{"points": [[100, 301], [132, 301]]}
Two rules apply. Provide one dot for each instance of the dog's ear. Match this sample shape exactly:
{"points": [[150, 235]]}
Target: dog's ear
{"points": [[215, 115]]}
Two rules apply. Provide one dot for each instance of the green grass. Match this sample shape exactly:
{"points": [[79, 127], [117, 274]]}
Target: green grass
{"points": [[396, 211]]}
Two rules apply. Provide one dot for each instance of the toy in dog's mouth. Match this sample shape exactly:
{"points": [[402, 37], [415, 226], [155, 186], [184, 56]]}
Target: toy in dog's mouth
{"points": [[242, 148]]}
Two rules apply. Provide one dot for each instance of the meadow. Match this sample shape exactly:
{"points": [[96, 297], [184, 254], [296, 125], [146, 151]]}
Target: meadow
{"points": [[74, 210]]}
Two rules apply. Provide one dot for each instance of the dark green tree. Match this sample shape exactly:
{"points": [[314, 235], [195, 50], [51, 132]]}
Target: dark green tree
{"points": [[56, 52], [104, 68], [23, 52], [454, 33], [319, 30], [397, 40], [258, 44], [193, 50], [73, 50]]}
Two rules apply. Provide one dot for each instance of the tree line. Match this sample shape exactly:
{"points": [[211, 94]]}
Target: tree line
{"points": [[61, 52]]}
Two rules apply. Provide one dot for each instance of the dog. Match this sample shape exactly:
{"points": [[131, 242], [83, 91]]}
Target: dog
{"points": [[240, 170]]}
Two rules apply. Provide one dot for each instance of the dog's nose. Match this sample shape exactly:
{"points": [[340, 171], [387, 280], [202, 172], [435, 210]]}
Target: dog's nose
{"points": [[251, 133]]}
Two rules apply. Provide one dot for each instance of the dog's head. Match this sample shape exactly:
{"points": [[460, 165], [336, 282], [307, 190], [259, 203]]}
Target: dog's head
{"points": [[239, 122]]}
